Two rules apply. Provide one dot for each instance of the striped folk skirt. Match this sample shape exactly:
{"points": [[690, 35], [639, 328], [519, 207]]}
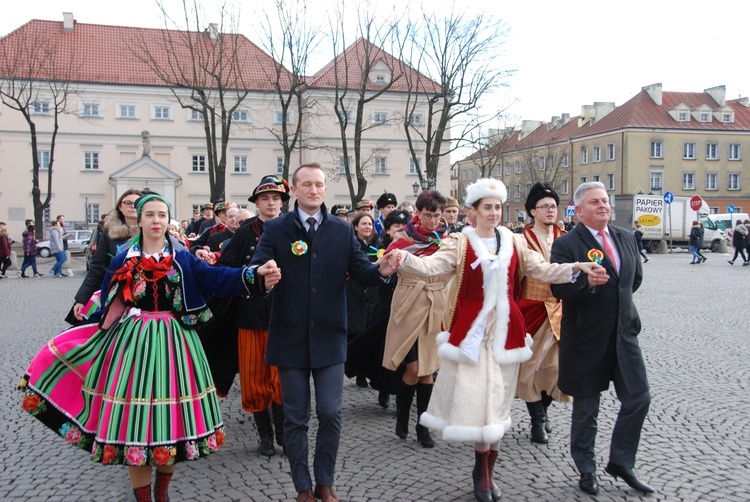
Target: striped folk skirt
{"points": [[139, 393]]}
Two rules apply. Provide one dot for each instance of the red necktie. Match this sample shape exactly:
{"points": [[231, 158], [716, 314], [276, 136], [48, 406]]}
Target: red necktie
{"points": [[608, 250]]}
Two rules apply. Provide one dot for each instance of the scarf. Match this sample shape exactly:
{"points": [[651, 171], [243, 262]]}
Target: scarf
{"points": [[140, 265], [421, 241]]}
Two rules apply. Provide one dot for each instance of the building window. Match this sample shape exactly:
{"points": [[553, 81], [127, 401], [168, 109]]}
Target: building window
{"points": [[416, 119], [565, 187], [597, 178], [342, 164], [507, 169], [705, 117], [241, 115], [610, 151], [381, 165], [91, 161], [278, 117], [726, 118], [517, 189], [656, 181], [279, 165], [413, 167], [199, 164], [584, 179], [735, 151], [584, 155], [610, 182], [40, 108], [712, 151], [379, 117], [345, 116], [43, 157], [597, 154], [682, 116], [127, 112], [688, 151], [518, 166], [712, 181], [564, 160], [657, 151], [92, 214], [240, 163], [688, 181], [195, 115], [540, 163], [91, 110], [162, 112], [733, 181]]}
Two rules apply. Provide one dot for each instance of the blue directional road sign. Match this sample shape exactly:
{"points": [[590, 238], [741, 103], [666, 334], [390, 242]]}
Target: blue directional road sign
{"points": [[730, 208], [669, 197]]}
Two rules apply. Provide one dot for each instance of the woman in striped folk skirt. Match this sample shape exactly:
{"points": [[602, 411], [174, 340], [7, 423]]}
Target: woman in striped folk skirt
{"points": [[136, 390]]}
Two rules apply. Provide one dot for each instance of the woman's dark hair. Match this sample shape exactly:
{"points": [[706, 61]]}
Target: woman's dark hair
{"points": [[431, 200], [132, 191], [358, 218]]}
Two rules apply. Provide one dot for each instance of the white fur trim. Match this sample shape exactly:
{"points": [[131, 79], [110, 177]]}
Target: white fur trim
{"points": [[442, 337], [485, 187], [458, 433]]}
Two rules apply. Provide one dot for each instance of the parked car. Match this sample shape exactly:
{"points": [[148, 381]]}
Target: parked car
{"points": [[76, 243], [90, 250]]}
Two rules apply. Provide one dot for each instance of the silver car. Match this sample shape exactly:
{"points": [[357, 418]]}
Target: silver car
{"points": [[76, 243]]}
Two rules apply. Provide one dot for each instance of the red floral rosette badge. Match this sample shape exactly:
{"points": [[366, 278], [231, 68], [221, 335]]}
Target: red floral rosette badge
{"points": [[595, 255], [299, 248]]}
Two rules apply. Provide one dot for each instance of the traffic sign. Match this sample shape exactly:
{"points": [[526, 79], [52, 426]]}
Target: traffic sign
{"points": [[669, 197], [570, 212], [571, 202], [730, 208], [696, 202]]}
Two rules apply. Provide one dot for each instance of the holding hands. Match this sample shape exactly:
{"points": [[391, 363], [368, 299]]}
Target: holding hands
{"points": [[391, 262], [271, 274], [206, 255], [597, 274]]}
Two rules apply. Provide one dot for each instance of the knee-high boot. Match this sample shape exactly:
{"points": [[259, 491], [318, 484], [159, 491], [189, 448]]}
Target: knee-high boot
{"points": [[278, 423], [143, 493], [481, 476], [265, 433], [404, 398], [424, 392], [161, 488], [547, 401], [495, 491], [536, 412]]}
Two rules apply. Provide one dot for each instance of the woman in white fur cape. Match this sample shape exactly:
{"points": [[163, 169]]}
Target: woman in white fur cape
{"points": [[486, 338]]}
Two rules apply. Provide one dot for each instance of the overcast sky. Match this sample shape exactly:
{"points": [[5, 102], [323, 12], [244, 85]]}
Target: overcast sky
{"points": [[566, 54]]}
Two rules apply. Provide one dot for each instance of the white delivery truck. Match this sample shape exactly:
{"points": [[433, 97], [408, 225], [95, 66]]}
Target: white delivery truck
{"points": [[727, 221], [672, 222]]}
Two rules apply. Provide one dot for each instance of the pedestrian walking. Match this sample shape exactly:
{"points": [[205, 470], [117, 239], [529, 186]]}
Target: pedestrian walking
{"points": [[307, 327], [136, 389], [739, 242], [5, 243], [486, 338], [599, 338], [746, 223], [29, 252], [57, 248], [638, 233], [695, 243]]}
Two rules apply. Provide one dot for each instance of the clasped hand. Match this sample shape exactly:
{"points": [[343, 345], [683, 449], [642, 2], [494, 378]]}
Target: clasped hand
{"points": [[391, 262], [271, 274], [597, 275]]}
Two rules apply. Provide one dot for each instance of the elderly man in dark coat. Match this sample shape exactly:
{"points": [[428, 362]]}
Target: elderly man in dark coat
{"points": [[307, 328], [598, 341]]}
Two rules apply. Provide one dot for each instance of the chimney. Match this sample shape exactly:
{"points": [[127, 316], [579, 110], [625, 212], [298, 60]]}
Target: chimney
{"points": [[654, 91], [565, 118], [553, 123], [213, 32], [718, 93], [527, 127], [744, 102], [68, 21]]}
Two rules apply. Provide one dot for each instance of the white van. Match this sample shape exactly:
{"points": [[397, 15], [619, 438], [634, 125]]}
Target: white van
{"points": [[727, 221]]}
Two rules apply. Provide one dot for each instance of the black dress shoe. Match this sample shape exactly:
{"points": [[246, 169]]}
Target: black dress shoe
{"points": [[588, 483], [628, 475]]}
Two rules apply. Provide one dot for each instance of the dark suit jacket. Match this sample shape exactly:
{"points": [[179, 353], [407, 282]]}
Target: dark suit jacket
{"points": [[600, 325], [307, 328]]}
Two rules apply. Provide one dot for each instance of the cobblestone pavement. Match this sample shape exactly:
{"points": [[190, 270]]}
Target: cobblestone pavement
{"points": [[695, 444]]}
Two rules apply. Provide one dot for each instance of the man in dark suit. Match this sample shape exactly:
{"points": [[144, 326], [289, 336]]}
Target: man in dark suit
{"points": [[307, 330], [598, 341]]}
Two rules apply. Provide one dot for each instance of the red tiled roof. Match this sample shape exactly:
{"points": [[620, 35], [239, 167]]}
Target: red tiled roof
{"points": [[641, 112], [349, 68], [101, 54]]}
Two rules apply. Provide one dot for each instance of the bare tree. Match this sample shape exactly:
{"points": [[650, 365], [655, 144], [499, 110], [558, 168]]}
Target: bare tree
{"points": [[35, 81], [204, 66], [356, 86], [458, 64], [290, 40]]}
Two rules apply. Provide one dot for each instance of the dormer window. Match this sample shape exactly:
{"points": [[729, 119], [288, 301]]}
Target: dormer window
{"points": [[705, 117], [727, 118], [683, 117], [380, 79]]}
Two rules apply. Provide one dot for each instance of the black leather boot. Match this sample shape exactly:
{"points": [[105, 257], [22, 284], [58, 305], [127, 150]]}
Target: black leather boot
{"points": [[546, 401], [480, 476], [404, 398], [536, 412], [278, 424], [265, 433], [424, 392]]}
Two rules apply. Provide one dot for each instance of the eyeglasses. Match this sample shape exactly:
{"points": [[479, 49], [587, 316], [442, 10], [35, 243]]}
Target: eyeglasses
{"points": [[128, 203], [428, 216], [547, 207]]}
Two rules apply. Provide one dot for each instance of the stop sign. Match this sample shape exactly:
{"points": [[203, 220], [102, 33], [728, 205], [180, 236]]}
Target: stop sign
{"points": [[696, 202]]}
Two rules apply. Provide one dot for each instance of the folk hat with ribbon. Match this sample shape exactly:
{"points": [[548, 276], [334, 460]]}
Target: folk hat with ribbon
{"points": [[365, 204], [268, 184]]}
